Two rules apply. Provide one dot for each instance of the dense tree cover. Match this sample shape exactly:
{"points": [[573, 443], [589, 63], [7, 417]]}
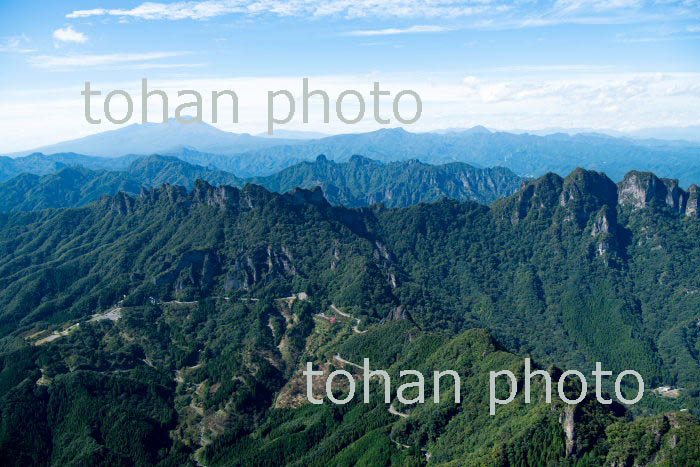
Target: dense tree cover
{"points": [[525, 154], [88, 418], [444, 433], [206, 352], [360, 182], [666, 440], [245, 155], [76, 185]]}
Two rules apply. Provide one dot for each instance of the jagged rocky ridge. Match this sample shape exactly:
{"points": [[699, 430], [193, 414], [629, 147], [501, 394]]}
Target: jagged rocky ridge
{"points": [[584, 192], [359, 182], [566, 270], [75, 185], [224, 197], [589, 199], [641, 189]]}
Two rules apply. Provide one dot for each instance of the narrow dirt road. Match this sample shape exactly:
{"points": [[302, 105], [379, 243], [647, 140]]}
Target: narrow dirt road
{"points": [[346, 315], [392, 409], [346, 362]]}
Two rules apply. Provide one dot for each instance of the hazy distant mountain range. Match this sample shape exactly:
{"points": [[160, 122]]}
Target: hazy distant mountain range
{"points": [[689, 133], [251, 156], [362, 181], [294, 134], [526, 155], [359, 182], [161, 138], [76, 185]]}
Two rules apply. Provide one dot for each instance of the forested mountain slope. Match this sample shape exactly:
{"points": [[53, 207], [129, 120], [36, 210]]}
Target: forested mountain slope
{"points": [[359, 182], [525, 154], [74, 186], [362, 181], [192, 344]]}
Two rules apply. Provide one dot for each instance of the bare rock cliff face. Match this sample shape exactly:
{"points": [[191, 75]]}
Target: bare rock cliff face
{"points": [[643, 189], [605, 221], [639, 189], [675, 196], [692, 208], [580, 197], [590, 202], [567, 420]]}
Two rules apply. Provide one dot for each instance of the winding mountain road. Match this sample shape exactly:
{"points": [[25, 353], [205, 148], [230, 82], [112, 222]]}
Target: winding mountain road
{"points": [[392, 409], [346, 315]]}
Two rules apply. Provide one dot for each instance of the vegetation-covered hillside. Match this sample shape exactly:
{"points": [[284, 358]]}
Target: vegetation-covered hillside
{"points": [[172, 326], [359, 182], [73, 186], [525, 154], [362, 181]]}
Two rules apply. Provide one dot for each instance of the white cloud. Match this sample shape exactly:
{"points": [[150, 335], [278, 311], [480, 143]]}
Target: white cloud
{"points": [[157, 66], [68, 34], [577, 92], [660, 34], [595, 5], [487, 14], [592, 12], [15, 44], [551, 68], [85, 61], [87, 13], [610, 100], [394, 31], [315, 8]]}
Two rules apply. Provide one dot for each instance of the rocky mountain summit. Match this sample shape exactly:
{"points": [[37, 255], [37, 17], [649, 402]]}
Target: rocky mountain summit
{"points": [[361, 181], [589, 201], [641, 189], [571, 271], [585, 192], [358, 182]]}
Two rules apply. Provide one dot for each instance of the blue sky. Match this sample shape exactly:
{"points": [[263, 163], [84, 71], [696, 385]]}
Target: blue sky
{"points": [[620, 64]]}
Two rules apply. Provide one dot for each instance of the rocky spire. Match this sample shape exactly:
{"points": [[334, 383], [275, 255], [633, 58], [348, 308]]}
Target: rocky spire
{"points": [[692, 207], [584, 193], [642, 189]]}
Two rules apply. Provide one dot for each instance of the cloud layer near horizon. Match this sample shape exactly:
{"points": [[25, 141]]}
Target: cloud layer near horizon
{"points": [[579, 100], [491, 13]]}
